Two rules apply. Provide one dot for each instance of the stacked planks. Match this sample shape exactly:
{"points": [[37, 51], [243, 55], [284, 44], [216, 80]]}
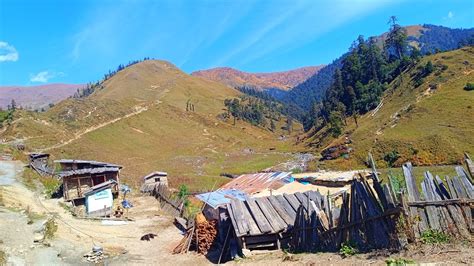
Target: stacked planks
{"points": [[441, 206]]}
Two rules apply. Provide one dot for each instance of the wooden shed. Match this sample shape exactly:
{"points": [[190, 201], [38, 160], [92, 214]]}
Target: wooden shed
{"points": [[266, 222], [80, 176], [156, 177]]}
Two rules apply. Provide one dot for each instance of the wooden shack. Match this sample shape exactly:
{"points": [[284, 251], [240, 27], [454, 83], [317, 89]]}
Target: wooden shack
{"points": [[266, 222], [154, 180], [156, 177], [79, 176]]}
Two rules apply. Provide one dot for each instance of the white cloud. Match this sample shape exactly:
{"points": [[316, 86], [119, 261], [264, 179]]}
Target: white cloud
{"points": [[8, 52], [45, 76], [450, 14]]}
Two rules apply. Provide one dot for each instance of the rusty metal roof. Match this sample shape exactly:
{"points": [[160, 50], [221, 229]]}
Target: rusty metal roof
{"points": [[254, 183]]}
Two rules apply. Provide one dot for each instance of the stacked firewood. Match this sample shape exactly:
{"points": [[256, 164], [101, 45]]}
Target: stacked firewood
{"points": [[199, 237], [205, 235]]}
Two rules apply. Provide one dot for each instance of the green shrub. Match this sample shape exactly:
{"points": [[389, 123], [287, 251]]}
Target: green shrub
{"points": [[347, 249], [469, 86], [434, 237], [391, 158], [183, 194]]}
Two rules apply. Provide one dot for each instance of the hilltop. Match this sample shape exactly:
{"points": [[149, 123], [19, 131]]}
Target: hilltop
{"points": [[37, 97], [139, 118], [428, 123], [261, 81]]}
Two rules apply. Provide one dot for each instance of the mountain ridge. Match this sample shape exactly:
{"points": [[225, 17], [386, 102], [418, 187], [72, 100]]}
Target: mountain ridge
{"points": [[282, 80], [37, 96]]}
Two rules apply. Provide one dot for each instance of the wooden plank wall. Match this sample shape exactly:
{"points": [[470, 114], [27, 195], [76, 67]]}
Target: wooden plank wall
{"points": [[266, 221], [444, 206], [362, 220]]}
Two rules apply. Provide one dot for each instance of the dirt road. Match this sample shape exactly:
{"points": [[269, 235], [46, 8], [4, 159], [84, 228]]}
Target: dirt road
{"points": [[75, 237]]}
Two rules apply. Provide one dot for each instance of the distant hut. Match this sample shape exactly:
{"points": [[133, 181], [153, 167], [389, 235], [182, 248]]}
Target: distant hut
{"points": [[80, 176], [154, 179]]}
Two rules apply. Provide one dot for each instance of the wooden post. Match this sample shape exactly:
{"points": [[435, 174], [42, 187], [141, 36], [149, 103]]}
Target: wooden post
{"points": [[408, 226], [79, 192]]}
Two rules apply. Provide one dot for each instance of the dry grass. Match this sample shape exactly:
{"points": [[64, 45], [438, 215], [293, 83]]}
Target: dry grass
{"points": [[193, 147]]}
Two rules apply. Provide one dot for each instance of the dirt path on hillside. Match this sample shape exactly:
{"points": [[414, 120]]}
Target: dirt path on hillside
{"points": [[138, 110], [75, 237]]}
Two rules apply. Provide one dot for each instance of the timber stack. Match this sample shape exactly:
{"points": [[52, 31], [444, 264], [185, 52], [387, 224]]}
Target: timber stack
{"points": [[199, 237], [206, 232]]}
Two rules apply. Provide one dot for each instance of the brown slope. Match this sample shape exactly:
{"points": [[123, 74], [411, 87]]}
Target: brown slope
{"points": [[138, 119], [36, 97], [284, 80]]}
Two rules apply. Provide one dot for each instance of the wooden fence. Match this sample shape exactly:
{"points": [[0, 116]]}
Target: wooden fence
{"points": [[168, 203], [362, 220], [441, 206], [372, 216]]}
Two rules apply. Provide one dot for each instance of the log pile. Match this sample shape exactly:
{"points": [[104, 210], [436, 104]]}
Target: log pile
{"points": [[205, 235], [199, 237]]}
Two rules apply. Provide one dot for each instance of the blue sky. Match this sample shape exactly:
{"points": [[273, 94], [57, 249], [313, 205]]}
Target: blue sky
{"points": [[75, 41]]}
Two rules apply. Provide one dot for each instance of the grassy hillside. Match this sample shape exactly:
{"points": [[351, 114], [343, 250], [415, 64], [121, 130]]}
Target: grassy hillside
{"points": [[429, 123], [139, 119]]}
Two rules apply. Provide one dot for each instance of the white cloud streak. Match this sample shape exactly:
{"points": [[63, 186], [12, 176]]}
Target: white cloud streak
{"points": [[8, 52], [45, 76], [450, 15]]}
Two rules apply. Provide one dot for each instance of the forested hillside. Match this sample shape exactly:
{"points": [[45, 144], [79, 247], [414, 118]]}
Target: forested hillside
{"points": [[424, 115], [426, 39]]}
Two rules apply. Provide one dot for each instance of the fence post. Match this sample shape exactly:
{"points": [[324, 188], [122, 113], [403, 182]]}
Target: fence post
{"points": [[408, 226]]}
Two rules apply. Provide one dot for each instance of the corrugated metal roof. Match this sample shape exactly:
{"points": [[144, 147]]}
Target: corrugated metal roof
{"points": [[254, 183], [221, 197], [97, 170], [150, 175], [88, 162]]}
